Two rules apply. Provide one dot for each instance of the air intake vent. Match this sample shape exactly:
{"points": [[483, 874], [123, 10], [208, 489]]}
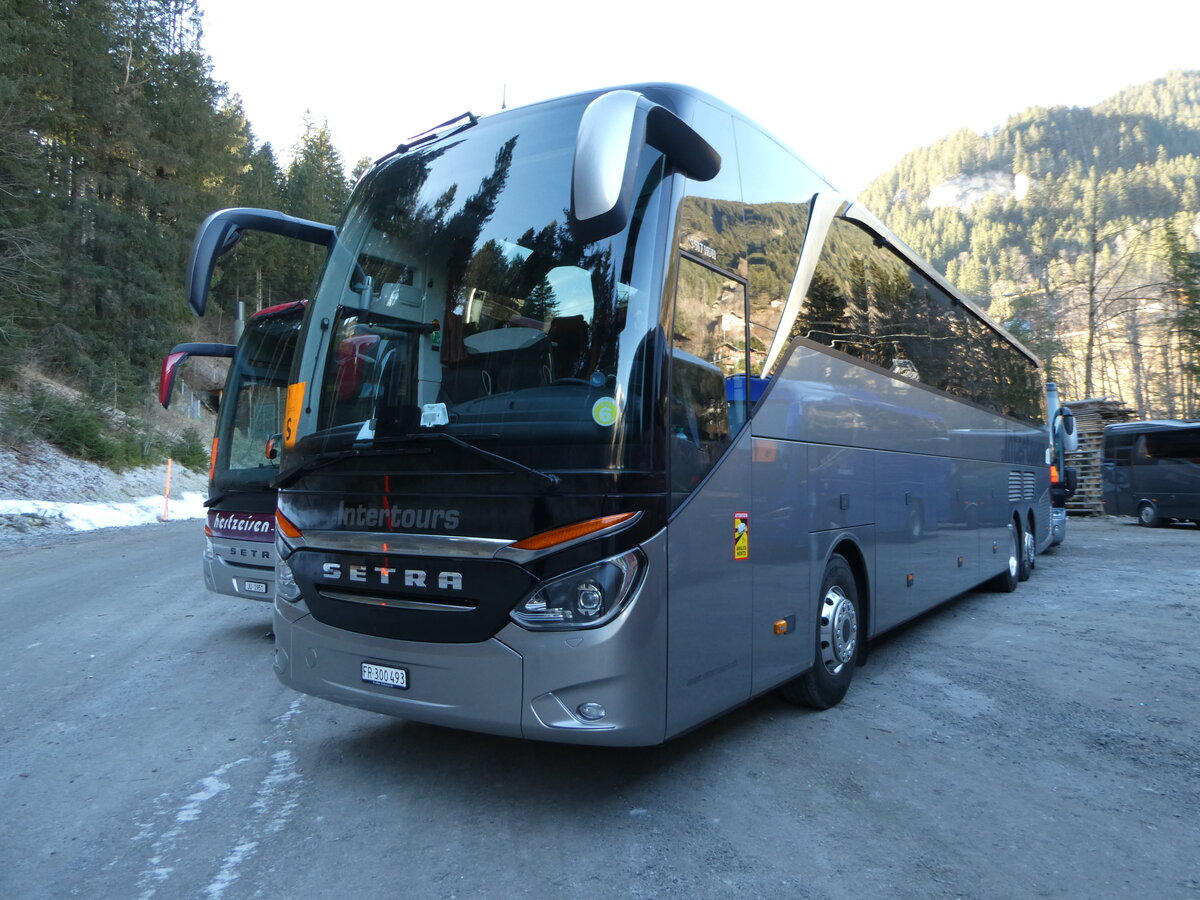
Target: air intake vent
{"points": [[1014, 487]]}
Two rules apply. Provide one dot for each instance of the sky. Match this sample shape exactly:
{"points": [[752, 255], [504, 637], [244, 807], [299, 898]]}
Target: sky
{"points": [[850, 86]]}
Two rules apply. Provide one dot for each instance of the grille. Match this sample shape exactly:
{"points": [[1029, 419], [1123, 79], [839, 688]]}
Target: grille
{"points": [[464, 606]]}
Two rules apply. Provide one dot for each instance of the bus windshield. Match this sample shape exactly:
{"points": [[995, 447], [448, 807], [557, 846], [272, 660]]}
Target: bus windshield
{"points": [[252, 408], [458, 300]]}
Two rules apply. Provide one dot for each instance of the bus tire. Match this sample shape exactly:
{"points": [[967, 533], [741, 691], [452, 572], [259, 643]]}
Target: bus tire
{"points": [[838, 639], [1006, 582], [1028, 554], [1148, 515]]}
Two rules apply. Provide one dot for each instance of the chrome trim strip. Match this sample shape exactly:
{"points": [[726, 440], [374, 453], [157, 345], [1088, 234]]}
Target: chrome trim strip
{"points": [[396, 603], [432, 545], [825, 206], [436, 546]]}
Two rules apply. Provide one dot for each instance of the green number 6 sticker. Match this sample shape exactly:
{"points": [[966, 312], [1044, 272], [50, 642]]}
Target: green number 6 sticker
{"points": [[604, 411]]}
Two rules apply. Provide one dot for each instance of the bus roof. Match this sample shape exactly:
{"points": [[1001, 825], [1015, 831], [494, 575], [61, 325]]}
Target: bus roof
{"points": [[279, 309]]}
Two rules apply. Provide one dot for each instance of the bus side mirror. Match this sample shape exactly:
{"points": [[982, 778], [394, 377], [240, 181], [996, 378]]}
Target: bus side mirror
{"points": [[178, 355], [1070, 480], [614, 129], [1066, 426], [271, 450], [220, 232]]}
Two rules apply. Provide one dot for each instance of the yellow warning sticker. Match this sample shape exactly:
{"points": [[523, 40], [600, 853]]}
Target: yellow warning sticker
{"points": [[741, 535]]}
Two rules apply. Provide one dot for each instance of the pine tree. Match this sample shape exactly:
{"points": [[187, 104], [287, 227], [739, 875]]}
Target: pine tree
{"points": [[315, 189]]}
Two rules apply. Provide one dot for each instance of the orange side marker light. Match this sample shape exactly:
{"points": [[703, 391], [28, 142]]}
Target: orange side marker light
{"points": [[567, 533], [286, 526]]}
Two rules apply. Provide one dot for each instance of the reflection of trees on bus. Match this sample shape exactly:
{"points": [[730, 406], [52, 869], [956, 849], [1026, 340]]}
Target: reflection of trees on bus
{"points": [[867, 302], [760, 242]]}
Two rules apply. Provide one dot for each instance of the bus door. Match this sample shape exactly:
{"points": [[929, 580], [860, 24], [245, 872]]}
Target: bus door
{"points": [[1117, 474], [709, 538]]}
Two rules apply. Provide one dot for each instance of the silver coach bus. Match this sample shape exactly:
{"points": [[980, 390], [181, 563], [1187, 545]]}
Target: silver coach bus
{"points": [[609, 414]]}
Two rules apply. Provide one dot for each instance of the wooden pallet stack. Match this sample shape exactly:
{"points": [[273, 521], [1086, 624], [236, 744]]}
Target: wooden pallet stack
{"points": [[1090, 418]]}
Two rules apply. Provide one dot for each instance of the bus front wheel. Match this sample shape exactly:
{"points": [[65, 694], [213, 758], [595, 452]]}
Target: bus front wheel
{"points": [[838, 636], [1148, 515]]}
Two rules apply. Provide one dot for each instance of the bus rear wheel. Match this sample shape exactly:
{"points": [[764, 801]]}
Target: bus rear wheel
{"points": [[1028, 554], [1148, 515], [1006, 582], [838, 637]]}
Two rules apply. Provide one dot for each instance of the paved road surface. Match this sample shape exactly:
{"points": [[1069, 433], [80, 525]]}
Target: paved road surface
{"points": [[1041, 744]]}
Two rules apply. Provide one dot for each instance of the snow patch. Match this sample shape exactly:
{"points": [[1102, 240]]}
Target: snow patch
{"points": [[88, 516], [44, 491], [964, 191]]}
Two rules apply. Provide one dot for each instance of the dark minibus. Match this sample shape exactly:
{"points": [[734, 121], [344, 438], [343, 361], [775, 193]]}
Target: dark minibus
{"points": [[1151, 470]]}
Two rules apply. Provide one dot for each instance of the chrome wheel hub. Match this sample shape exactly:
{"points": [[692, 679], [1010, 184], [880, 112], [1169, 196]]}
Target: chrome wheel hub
{"points": [[839, 630]]}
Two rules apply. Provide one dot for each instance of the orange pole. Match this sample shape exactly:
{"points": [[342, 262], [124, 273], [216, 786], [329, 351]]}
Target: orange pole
{"points": [[167, 492]]}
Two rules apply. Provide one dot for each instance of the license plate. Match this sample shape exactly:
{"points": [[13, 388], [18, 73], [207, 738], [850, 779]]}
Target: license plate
{"points": [[388, 676], [255, 587]]}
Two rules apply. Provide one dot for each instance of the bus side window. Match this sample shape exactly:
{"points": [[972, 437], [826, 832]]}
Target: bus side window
{"points": [[1172, 447], [1141, 454], [1118, 449], [708, 347]]}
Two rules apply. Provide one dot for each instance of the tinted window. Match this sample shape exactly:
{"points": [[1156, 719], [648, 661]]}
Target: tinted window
{"points": [[708, 365], [252, 410], [777, 190], [460, 298], [1118, 446], [1174, 446], [868, 302]]}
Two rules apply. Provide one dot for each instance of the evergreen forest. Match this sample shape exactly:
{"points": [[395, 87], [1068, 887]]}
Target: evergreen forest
{"points": [[1077, 229], [115, 143]]}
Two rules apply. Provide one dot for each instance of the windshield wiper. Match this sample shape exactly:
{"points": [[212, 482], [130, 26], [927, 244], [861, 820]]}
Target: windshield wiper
{"points": [[551, 480], [386, 445], [433, 134], [321, 460], [381, 321]]}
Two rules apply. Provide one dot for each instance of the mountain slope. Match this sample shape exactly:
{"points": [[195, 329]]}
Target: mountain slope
{"points": [[1073, 225]]}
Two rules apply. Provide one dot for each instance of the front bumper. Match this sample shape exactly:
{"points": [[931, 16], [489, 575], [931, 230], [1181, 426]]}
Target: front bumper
{"points": [[240, 568], [519, 683], [1058, 526]]}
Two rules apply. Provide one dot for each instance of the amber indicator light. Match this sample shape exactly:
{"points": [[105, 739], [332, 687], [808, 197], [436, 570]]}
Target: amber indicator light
{"points": [[286, 526], [571, 532]]}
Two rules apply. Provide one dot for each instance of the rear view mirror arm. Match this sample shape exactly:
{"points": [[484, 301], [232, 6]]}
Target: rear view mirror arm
{"points": [[221, 231]]}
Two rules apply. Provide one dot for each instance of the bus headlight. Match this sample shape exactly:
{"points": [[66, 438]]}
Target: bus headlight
{"points": [[285, 582], [585, 598]]}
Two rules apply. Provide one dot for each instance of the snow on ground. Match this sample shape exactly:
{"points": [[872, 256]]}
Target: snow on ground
{"points": [[44, 492]]}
